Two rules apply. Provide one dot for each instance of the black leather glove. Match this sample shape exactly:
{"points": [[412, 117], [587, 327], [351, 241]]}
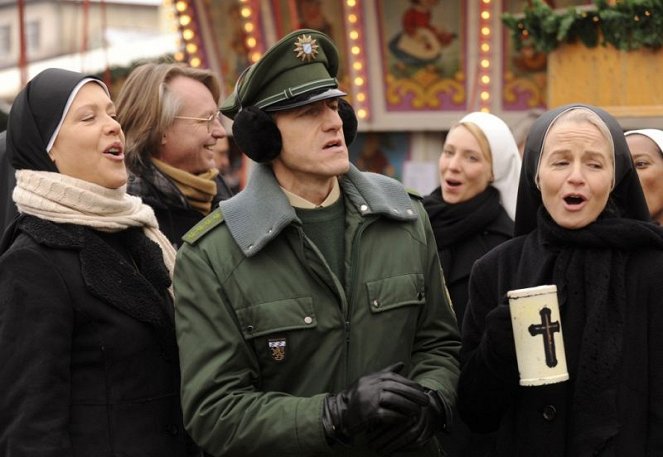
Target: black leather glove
{"points": [[413, 434], [375, 400], [497, 345]]}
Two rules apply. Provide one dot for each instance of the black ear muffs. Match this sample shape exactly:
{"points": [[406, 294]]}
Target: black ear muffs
{"points": [[349, 119], [257, 135]]}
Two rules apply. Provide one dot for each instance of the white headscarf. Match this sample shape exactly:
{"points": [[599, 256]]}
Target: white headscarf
{"points": [[653, 134], [505, 156]]}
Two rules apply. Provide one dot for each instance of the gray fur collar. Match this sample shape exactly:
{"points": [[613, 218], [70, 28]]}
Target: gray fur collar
{"points": [[258, 214]]}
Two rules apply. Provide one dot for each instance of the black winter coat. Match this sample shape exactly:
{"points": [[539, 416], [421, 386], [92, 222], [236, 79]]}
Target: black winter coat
{"points": [[8, 210], [534, 421], [462, 255], [175, 215], [466, 252], [89, 364]]}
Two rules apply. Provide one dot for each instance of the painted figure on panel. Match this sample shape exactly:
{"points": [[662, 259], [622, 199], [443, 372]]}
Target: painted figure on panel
{"points": [[423, 46], [420, 42]]}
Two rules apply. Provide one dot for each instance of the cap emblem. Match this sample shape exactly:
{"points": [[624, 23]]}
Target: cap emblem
{"points": [[306, 48]]}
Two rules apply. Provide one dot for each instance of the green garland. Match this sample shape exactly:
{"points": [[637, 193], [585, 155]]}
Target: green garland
{"points": [[627, 25]]}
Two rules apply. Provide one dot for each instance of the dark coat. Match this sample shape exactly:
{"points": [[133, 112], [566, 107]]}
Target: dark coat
{"points": [[466, 252], [87, 347], [174, 213], [532, 421], [457, 259], [7, 182]]}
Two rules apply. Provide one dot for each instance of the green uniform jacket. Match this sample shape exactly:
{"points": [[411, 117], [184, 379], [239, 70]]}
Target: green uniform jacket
{"points": [[266, 330]]}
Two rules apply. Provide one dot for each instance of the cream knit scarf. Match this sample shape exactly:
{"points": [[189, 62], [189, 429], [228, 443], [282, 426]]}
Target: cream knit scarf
{"points": [[66, 200]]}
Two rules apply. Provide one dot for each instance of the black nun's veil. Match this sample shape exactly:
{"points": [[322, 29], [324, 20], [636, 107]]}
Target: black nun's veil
{"points": [[35, 116], [588, 266], [627, 195]]}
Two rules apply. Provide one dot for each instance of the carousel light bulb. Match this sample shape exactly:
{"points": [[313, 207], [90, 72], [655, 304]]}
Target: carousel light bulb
{"points": [[354, 35], [485, 79], [352, 18], [248, 27], [191, 48], [251, 42], [352, 3], [361, 97], [362, 113], [357, 66], [485, 63], [185, 20], [355, 50], [246, 12], [359, 81], [485, 47], [187, 34], [485, 96], [181, 6], [485, 15], [195, 62]]}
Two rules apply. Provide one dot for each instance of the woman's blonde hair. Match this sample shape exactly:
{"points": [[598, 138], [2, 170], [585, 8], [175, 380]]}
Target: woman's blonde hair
{"points": [[146, 108], [478, 134]]}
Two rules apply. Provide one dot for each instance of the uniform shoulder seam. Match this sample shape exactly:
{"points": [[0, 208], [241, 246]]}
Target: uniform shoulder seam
{"points": [[203, 227], [413, 193]]}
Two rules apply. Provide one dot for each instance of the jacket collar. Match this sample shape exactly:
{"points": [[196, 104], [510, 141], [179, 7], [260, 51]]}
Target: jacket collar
{"points": [[155, 188], [107, 275], [261, 211], [160, 192]]}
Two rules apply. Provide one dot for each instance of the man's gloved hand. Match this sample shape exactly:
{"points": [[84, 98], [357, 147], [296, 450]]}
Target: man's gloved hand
{"points": [[413, 434], [375, 400], [497, 345]]}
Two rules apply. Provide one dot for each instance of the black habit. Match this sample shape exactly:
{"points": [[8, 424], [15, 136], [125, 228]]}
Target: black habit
{"points": [[608, 275]]}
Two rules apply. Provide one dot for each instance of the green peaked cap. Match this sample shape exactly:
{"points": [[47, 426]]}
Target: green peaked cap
{"points": [[303, 62]]}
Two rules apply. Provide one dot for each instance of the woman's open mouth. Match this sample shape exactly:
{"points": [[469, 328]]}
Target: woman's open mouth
{"points": [[574, 201]]}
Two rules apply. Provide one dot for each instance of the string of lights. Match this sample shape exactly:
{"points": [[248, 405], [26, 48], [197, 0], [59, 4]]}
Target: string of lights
{"points": [[485, 55]]}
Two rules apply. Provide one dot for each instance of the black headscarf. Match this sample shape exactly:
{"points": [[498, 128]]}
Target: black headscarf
{"points": [[36, 114], [627, 194], [455, 222], [589, 270]]}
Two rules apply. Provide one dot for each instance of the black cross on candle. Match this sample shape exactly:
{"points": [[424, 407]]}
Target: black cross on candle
{"points": [[547, 329]]}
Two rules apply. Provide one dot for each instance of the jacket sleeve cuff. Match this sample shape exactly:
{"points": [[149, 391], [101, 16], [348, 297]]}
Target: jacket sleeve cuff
{"points": [[310, 433]]}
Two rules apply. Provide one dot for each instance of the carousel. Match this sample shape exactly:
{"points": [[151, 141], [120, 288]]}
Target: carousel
{"points": [[412, 69]]}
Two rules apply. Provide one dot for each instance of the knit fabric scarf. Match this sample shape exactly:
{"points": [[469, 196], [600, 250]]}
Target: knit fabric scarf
{"points": [[199, 190], [65, 200], [590, 271], [453, 223]]}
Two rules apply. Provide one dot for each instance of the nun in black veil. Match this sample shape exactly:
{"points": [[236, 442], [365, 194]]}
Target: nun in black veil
{"points": [[581, 224], [88, 357]]}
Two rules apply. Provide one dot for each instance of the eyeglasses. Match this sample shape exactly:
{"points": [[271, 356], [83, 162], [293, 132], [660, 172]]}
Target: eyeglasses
{"points": [[208, 120]]}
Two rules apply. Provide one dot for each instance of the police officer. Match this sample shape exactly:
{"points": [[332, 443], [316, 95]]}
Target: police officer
{"points": [[312, 317]]}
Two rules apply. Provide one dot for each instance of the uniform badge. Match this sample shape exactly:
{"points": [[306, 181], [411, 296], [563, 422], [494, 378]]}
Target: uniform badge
{"points": [[277, 348], [306, 48]]}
